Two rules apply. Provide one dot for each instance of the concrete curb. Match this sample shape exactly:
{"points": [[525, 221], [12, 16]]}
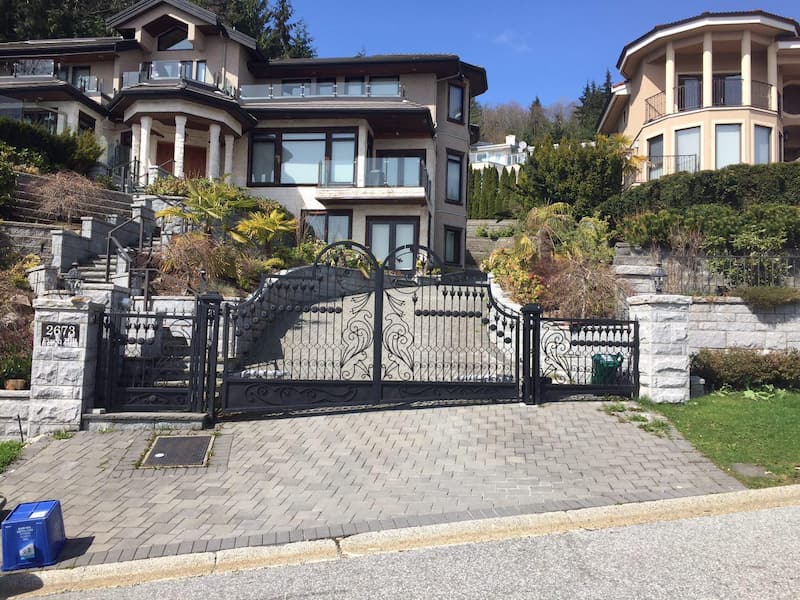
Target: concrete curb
{"points": [[37, 583]]}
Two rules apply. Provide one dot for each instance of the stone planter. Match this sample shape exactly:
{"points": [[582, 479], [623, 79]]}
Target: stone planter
{"points": [[16, 384]]}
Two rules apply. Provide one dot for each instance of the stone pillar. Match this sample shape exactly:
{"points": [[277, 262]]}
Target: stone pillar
{"points": [[61, 122], [227, 172], [669, 81], [144, 149], [213, 151], [180, 142], [708, 70], [772, 75], [747, 71], [64, 362], [663, 345]]}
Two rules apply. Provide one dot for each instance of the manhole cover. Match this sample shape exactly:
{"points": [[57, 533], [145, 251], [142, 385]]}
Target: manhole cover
{"points": [[179, 451]]}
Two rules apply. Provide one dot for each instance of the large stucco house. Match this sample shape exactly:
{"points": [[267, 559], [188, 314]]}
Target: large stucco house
{"points": [[710, 91], [372, 149]]}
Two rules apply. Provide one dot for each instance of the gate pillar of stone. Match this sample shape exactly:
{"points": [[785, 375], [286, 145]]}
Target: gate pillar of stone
{"points": [[663, 345], [64, 362]]}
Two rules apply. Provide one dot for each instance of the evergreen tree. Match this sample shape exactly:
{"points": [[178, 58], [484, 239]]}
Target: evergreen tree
{"points": [[504, 191], [285, 38], [592, 103], [489, 191]]}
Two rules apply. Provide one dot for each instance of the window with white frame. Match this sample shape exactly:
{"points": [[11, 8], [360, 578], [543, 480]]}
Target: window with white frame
{"points": [[687, 148]]}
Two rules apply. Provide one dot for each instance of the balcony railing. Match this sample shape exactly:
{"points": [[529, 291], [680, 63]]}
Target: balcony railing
{"points": [[89, 84], [517, 158], [761, 94], [167, 71], [275, 91], [689, 96], [43, 68], [385, 172], [656, 167], [655, 107], [727, 91]]}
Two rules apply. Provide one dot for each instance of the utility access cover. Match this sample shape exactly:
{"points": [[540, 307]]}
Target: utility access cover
{"points": [[179, 451]]}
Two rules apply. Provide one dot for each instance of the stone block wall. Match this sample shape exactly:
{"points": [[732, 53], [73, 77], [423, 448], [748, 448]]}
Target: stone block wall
{"points": [[13, 404], [724, 322]]}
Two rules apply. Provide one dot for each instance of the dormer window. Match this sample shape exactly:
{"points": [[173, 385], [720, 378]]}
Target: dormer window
{"points": [[174, 39]]}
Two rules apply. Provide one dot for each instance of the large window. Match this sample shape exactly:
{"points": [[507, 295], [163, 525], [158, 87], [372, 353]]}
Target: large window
{"points": [[328, 226], [687, 142], [728, 145], [302, 158], [452, 245], [454, 168], [262, 158], [174, 39], [455, 103], [386, 234], [655, 157], [761, 139]]}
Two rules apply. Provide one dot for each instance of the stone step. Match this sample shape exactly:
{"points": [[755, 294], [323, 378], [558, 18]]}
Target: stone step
{"points": [[144, 420]]}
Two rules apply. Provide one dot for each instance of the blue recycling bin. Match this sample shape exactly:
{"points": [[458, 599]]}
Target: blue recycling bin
{"points": [[33, 535]]}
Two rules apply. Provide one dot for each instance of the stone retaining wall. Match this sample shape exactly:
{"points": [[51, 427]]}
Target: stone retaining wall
{"points": [[12, 405], [723, 322]]}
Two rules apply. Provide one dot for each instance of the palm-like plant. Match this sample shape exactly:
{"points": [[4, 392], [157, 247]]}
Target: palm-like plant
{"points": [[210, 205], [551, 225], [262, 226]]}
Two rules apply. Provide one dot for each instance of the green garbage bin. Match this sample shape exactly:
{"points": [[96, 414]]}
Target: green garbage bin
{"points": [[605, 368]]}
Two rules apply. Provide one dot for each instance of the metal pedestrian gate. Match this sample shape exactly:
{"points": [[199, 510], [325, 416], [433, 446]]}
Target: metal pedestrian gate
{"points": [[347, 331]]}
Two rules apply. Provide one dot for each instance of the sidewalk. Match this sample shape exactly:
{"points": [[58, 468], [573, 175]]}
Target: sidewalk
{"points": [[276, 481]]}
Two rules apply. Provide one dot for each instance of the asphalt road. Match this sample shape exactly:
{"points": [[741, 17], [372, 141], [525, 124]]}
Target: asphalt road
{"points": [[744, 555]]}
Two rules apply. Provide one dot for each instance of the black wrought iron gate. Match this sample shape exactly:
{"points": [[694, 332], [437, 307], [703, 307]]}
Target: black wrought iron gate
{"points": [[347, 331]]}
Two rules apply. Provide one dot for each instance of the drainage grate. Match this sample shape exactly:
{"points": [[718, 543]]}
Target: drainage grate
{"points": [[179, 451]]}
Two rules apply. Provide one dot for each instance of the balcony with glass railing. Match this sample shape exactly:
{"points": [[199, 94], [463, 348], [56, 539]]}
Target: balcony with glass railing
{"points": [[383, 177], [168, 71], [260, 92], [48, 70]]}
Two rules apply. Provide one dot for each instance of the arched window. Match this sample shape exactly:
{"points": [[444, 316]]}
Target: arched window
{"points": [[174, 39]]}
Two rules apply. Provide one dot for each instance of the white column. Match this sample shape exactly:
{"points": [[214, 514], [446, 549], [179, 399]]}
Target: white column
{"points": [[708, 70], [180, 142], [772, 75], [669, 81], [747, 71], [136, 138], [227, 172], [144, 149], [213, 151]]}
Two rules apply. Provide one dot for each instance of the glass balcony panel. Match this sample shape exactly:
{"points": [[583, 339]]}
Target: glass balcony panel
{"points": [[35, 68]]}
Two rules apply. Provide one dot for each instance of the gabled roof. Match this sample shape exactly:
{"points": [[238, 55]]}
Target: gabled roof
{"points": [[790, 26], [118, 21]]}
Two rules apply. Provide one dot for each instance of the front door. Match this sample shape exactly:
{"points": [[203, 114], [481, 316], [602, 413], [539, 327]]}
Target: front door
{"points": [[385, 234], [194, 159]]}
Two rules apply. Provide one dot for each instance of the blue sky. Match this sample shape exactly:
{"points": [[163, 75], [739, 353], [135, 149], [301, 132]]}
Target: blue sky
{"points": [[548, 48]]}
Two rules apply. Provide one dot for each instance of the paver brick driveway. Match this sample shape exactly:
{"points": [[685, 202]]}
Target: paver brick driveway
{"points": [[273, 481]]}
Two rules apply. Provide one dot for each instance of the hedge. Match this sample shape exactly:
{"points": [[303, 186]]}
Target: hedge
{"points": [[736, 186], [741, 368]]}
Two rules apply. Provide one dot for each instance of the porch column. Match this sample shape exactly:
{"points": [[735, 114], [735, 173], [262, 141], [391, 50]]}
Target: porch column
{"points": [[227, 172], [144, 149], [747, 71], [136, 138], [180, 141], [669, 83], [708, 71], [772, 75], [61, 122], [213, 151]]}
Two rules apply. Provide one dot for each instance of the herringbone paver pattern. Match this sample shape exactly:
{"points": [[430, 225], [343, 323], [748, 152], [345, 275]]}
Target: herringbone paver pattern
{"points": [[275, 481]]}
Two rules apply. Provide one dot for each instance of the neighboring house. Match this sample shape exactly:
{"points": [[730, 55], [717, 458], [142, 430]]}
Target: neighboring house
{"points": [[710, 91], [511, 153], [372, 149]]}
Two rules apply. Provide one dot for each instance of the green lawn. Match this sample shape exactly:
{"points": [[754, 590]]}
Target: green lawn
{"points": [[733, 428], [9, 452]]}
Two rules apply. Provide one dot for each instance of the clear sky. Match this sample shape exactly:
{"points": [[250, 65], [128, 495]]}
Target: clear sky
{"points": [[548, 48]]}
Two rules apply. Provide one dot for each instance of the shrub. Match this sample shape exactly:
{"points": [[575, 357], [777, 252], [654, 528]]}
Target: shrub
{"points": [[582, 289], [66, 150], [16, 365], [64, 195], [169, 186], [513, 269], [22, 159], [763, 297], [742, 368], [8, 181]]}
